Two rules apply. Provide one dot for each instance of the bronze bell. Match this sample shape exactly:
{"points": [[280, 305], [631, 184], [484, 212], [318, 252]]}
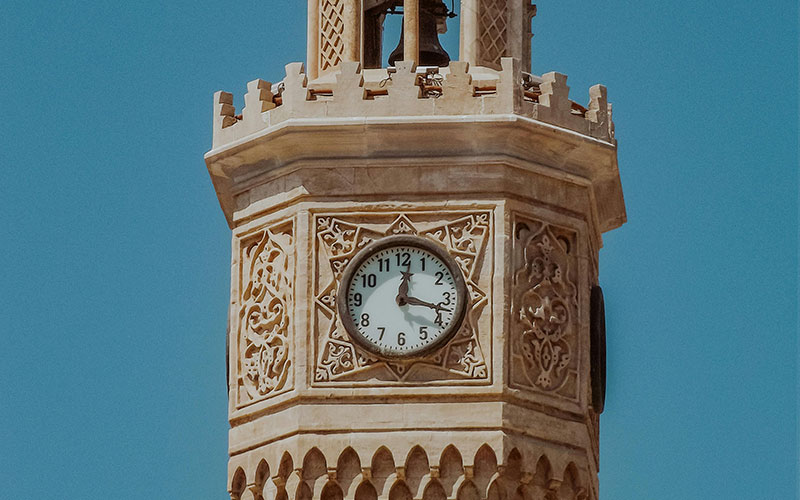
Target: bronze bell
{"points": [[431, 52]]}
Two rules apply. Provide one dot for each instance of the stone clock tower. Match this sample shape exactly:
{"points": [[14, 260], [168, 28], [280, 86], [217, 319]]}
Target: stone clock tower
{"points": [[414, 305]]}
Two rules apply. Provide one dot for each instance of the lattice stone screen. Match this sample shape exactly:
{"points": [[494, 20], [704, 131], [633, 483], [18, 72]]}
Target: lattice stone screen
{"points": [[331, 13], [493, 42]]}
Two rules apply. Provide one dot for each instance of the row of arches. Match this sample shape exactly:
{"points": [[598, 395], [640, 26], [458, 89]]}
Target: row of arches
{"points": [[414, 479]]}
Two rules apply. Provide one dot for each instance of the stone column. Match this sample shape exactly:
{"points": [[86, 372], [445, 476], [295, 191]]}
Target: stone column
{"points": [[312, 49], [468, 41], [352, 30], [517, 15], [411, 30], [530, 13], [519, 32]]}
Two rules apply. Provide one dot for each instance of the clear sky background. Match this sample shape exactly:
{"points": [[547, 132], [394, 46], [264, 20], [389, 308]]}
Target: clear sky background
{"points": [[114, 268]]}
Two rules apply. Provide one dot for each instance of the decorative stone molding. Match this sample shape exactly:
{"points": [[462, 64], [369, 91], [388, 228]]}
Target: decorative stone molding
{"points": [[466, 235], [388, 473], [265, 307], [545, 315], [404, 91]]}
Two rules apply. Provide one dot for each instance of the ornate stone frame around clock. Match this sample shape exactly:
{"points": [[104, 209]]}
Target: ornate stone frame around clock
{"points": [[338, 236]]}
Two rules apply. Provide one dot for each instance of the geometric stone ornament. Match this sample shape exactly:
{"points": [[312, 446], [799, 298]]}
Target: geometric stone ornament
{"points": [[496, 29], [331, 31], [465, 235], [544, 319], [458, 472], [265, 308], [493, 38]]}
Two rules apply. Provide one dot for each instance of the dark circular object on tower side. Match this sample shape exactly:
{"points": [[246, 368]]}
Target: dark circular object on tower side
{"points": [[597, 346]]}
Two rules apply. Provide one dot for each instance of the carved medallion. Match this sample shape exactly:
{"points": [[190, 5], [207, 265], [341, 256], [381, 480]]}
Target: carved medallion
{"points": [[544, 320]]}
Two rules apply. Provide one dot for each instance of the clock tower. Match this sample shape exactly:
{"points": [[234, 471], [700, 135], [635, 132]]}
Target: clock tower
{"points": [[415, 312]]}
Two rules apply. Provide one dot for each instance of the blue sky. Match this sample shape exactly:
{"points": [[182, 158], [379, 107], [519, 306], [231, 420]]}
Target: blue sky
{"points": [[114, 277]]}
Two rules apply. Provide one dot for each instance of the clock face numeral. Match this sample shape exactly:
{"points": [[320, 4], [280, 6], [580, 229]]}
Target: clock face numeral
{"points": [[403, 259], [368, 280], [402, 299]]}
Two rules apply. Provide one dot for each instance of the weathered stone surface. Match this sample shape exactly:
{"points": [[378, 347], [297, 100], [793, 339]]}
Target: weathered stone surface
{"points": [[409, 465], [496, 166], [287, 207], [413, 93]]}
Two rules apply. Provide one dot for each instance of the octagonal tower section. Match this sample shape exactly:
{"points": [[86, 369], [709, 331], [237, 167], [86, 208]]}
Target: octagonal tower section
{"points": [[501, 169], [495, 166]]}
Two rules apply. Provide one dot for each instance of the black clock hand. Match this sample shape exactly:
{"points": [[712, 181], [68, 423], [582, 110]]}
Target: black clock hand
{"points": [[413, 301], [402, 292]]}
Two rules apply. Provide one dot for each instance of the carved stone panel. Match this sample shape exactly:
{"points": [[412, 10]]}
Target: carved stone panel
{"points": [[493, 39], [331, 30], [338, 237], [265, 307], [544, 311]]}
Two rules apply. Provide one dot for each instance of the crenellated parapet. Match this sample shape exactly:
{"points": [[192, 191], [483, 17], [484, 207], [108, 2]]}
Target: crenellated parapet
{"points": [[408, 91], [417, 471]]}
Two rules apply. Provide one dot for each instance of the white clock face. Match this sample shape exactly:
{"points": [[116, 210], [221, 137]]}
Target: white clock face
{"points": [[402, 297]]}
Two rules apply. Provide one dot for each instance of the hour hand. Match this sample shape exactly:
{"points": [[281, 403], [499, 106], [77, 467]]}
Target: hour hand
{"points": [[402, 292]]}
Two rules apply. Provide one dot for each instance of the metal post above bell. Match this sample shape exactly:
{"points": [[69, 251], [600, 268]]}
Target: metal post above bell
{"points": [[431, 52]]}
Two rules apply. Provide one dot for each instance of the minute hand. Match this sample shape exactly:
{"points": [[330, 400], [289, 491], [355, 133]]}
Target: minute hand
{"points": [[413, 301]]}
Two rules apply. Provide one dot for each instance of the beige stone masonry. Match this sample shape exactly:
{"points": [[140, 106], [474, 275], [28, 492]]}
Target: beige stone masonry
{"points": [[494, 165], [455, 91], [501, 400], [259, 99], [493, 29], [470, 154], [412, 465], [295, 225]]}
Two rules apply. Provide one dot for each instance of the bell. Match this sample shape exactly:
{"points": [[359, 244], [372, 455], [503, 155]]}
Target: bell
{"points": [[431, 52]]}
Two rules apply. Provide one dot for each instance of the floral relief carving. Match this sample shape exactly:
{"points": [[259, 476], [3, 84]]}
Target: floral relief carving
{"points": [[544, 309], [338, 358], [265, 313], [340, 237], [465, 357]]}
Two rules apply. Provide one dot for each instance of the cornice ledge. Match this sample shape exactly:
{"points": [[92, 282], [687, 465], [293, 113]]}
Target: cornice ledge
{"points": [[415, 137]]}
